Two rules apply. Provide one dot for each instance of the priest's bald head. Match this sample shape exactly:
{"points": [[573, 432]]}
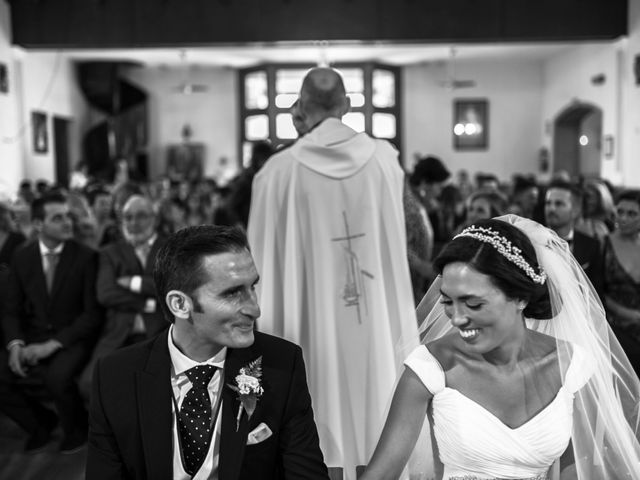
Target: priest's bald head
{"points": [[322, 96]]}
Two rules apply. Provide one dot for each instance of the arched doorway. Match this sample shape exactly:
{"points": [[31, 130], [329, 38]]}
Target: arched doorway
{"points": [[577, 140]]}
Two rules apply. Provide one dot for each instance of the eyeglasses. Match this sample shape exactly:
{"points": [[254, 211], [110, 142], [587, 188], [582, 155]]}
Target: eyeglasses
{"points": [[626, 212], [130, 217]]}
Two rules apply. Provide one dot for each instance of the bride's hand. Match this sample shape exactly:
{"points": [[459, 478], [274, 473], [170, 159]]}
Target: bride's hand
{"points": [[401, 430]]}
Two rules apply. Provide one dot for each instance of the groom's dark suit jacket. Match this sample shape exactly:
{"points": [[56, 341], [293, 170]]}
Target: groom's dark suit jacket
{"points": [[130, 416]]}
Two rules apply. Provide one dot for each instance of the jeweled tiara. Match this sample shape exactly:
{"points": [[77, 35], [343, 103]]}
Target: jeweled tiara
{"points": [[505, 248]]}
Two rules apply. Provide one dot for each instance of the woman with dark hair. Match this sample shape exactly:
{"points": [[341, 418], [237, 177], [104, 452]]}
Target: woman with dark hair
{"points": [[597, 210], [622, 274], [518, 375], [482, 205], [485, 204], [428, 180]]}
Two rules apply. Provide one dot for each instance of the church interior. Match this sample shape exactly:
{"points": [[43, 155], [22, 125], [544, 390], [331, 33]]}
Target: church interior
{"points": [[121, 80], [179, 97]]}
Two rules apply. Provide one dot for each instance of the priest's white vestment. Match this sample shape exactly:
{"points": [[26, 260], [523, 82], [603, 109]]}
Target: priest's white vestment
{"points": [[327, 232]]}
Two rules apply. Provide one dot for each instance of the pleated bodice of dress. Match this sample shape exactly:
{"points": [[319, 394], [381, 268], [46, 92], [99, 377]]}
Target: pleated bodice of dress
{"points": [[475, 444]]}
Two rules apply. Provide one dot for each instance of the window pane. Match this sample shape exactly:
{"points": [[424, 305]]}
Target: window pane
{"points": [[289, 80], [353, 79], [284, 126], [285, 100], [255, 90], [383, 125], [357, 99], [256, 127], [383, 85], [355, 120]]}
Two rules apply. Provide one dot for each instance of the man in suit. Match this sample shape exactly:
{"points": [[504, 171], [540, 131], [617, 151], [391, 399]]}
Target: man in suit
{"points": [[51, 319], [146, 397], [563, 207], [125, 285]]}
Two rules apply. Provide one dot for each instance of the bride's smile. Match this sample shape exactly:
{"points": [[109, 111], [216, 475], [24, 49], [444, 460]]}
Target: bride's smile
{"points": [[487, 320]]}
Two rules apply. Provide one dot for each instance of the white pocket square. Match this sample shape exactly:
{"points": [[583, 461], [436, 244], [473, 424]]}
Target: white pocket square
{"points": [[259, 434]]}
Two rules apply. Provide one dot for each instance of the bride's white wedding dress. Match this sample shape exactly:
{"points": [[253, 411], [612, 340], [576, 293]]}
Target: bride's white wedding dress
{"points": [[603, 421], [474, 444]]}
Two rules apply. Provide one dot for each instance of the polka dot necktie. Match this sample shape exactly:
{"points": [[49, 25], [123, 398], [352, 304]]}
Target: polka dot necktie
{"points": [[194, 418]]}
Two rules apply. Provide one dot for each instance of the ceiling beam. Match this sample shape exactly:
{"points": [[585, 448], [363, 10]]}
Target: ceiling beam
{"points": [[156, 23]]}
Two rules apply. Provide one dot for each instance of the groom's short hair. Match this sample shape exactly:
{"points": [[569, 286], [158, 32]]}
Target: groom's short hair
{"points": [[179, 263]]}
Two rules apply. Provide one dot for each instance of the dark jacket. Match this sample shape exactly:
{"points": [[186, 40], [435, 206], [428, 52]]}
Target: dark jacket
{"points": [[130, 435], [70, 313], [119, 260]]}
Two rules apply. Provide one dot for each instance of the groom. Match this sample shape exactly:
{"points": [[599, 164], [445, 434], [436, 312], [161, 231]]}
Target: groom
{"points": [[210, 398]]}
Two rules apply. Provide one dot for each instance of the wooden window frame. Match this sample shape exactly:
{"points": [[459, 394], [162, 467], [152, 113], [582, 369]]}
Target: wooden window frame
{"points": [[272, 110]]}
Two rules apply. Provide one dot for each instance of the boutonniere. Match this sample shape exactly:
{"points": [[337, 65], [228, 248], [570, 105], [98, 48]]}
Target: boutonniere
{"points": [[248, 388]]}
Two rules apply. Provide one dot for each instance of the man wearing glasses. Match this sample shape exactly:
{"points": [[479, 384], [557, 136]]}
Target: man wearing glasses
{"points": [[125, 285]]}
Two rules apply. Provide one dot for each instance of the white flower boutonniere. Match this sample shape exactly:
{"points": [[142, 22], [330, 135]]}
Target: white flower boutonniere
{"points": [[248, 388]]}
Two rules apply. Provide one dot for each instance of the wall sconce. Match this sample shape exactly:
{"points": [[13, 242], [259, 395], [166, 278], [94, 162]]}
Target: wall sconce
{"points": [[599, 79]]}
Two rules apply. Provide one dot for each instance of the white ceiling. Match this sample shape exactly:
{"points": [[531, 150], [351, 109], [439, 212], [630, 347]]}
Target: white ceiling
{"points": [[323, 52]]}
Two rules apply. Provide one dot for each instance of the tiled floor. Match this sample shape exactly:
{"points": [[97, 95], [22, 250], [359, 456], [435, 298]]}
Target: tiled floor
{"points": [[49, 464]]}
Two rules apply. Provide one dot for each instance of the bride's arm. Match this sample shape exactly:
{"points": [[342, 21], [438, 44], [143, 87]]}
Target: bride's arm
{"points": [[401, 430]]}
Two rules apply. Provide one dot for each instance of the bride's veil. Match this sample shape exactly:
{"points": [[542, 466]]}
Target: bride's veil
{"points": [[606, 429]]}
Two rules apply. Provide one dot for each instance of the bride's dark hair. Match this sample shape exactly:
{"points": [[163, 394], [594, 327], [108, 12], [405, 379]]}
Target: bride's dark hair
{"points": [[512, 280]]}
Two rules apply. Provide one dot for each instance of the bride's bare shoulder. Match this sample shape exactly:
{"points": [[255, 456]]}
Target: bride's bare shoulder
{"points": [[445, 349], [546, 346]]}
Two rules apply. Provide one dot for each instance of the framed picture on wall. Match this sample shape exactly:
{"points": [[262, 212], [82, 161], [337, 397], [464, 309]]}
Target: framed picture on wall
{"points": [[185, 161], [470, 124], [4, 78], [40, 134]]}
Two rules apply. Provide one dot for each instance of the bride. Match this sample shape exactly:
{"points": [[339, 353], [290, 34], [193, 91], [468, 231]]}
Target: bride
{"points": [[519, 374]]}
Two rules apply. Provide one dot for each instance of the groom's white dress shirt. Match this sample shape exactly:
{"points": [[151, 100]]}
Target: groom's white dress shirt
{"points": [[180, 384]]}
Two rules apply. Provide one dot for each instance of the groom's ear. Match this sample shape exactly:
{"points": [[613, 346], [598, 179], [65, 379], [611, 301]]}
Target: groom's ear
{"points": [[179, 304]]}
